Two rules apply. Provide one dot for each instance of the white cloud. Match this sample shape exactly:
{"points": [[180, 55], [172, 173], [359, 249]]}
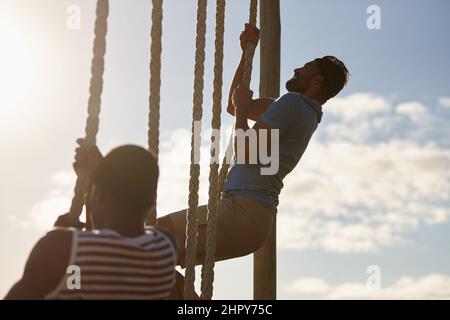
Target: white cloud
{"points": [[360, 198], [43, 214], [411, 121], [368, 183], [357, 105], [444, 102], [411, 108], [308, 286], [64, 179], [414, 110], [431, 286]]}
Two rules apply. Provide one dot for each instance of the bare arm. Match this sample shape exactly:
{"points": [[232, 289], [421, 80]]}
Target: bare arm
{"points": [[241, 99], [237, 79], [257, 106], [45, 267]]}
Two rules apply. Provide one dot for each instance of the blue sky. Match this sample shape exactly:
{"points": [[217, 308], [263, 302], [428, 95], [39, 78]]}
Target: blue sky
{"points": [[373, 187]]}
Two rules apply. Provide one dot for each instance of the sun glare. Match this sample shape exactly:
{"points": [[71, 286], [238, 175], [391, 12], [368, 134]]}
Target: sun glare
{"points": [[16, 69]]}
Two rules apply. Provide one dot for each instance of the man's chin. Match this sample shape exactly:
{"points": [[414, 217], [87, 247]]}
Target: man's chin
{"points": [[290, 87]]}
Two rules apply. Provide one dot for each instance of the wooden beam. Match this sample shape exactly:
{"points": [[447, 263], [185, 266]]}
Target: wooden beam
{"points": [[265, 259]]}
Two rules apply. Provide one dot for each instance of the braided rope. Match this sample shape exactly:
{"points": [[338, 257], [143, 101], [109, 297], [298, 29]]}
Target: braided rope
{"points": [[249, 52], [191, 220], [94, 102], [210, 250], [155, 86]]}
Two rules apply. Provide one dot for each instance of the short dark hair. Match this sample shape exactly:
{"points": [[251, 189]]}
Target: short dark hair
{"points": [[130, 174], [335, 73]]}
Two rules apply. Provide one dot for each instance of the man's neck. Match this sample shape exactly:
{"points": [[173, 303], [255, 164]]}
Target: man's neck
{"points": [[126, 228], [315, 96]]}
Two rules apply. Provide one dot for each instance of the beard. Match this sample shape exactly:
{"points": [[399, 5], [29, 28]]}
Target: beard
{"points": [[294, 85]]}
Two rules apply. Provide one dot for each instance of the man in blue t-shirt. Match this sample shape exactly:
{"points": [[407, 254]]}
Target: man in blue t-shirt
{"points": [[284, 126]]}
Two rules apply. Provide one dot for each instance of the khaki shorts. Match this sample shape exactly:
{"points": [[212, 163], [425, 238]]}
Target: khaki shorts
{"points": [[242, 227]]}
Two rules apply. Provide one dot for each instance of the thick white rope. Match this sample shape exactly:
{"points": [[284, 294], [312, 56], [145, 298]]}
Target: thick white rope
{"points": [[210, 249], [155, 87], [249, 52], [191, 219], [94, 102]]}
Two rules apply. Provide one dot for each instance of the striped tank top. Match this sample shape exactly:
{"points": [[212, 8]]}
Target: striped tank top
{"points": [[114, 267]]}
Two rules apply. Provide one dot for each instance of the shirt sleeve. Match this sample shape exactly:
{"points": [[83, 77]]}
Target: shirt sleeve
{"points": [[281, 114]]}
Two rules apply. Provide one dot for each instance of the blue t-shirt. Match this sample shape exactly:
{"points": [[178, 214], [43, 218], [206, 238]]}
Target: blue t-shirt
{"points": [[296, 116]]}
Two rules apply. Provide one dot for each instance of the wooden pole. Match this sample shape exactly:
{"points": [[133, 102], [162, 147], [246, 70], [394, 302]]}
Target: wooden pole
{"points": [[265, 259]]}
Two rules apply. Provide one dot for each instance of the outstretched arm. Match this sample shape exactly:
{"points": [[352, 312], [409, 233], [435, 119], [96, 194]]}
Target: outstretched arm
{"points": [[257, 106]]}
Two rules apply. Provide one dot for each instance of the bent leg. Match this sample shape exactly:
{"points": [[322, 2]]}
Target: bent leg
{"points": [[175, 223], [242, 228]]}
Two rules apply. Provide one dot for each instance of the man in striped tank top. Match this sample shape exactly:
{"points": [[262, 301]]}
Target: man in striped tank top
{"points": [[117, 260]]}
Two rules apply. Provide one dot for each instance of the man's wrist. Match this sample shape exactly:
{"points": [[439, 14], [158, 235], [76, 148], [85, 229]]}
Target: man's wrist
{"points": [[241, 119], [241, 114]]}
